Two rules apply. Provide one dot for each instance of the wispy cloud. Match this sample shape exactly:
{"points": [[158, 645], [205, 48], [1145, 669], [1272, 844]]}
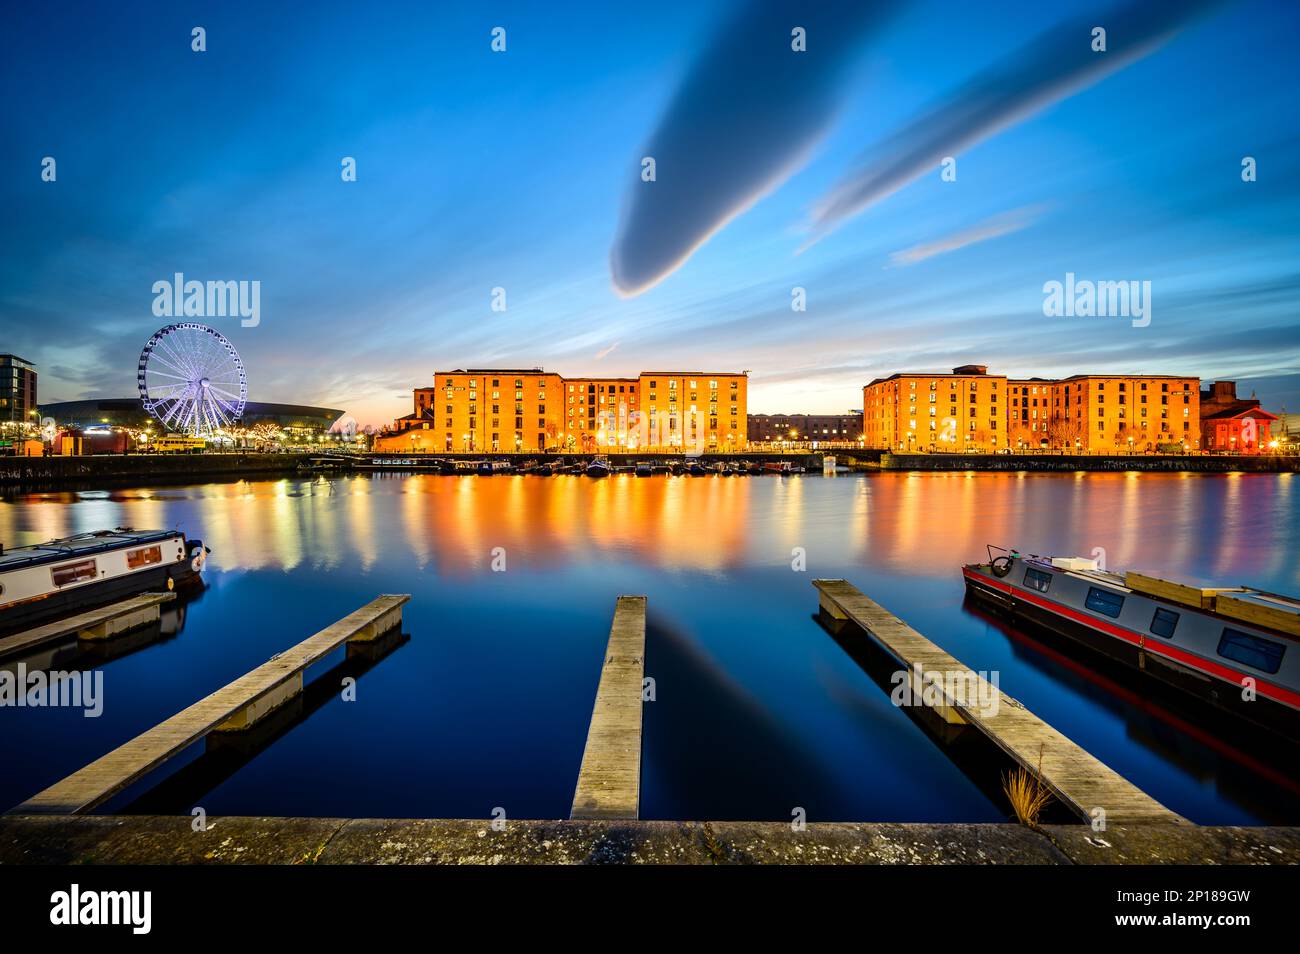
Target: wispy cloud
{"points": [[1059, 62], [604, 352], [1004, 224]]}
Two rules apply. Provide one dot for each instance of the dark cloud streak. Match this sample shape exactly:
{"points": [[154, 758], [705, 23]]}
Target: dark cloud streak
{"points": [[743, 120]]}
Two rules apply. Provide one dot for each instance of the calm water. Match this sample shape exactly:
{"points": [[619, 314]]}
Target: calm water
{"points": [[758, 710]]}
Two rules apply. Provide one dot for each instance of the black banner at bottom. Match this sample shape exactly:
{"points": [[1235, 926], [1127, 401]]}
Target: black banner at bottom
{"points": [[333, 902]]}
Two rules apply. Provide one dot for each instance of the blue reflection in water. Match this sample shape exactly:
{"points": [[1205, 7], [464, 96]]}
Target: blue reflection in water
{"points": [[758, 710]]}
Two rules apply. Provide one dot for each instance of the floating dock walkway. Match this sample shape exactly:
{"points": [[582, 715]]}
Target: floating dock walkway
{"points": [[53, 827], [101, 623], [609, 782], [234, 707], [1078, 780]]}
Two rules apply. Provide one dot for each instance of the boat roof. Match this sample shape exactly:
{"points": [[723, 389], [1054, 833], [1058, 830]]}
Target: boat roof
{"points": [[96, 541], [1101, 576]]}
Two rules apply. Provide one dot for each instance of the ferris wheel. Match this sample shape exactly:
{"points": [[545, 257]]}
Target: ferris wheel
{"points": [[191, 379]]}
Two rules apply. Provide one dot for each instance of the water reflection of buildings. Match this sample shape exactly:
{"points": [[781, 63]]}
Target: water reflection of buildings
{"points": [[1212, 528], [455, 523]]}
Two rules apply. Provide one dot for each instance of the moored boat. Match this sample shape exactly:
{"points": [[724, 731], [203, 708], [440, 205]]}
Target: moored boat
{"points": [[57, 579], [644, 469], [598, 467], [1233, 648]]}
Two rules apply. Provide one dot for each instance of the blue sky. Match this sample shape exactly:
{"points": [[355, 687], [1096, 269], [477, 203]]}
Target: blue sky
{"points": [[478, 169]]}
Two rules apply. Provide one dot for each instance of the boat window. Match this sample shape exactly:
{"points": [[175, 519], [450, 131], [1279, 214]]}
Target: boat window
{"points": [[1104, 602], [143, 557], [1164, 622], [78, 572], [1262, 654], [1038, 580]]}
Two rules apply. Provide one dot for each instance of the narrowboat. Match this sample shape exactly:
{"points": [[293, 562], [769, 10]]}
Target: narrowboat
{"points": [[53, 580], [487, 468], [1233, 648]]}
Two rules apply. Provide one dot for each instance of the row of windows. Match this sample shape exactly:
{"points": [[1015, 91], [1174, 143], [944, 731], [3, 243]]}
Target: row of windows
{"points": [[1254, 651], [631, 388]]}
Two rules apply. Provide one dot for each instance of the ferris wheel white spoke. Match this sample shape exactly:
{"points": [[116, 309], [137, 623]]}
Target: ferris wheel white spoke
{"points": [[223, 392], [230, 407], [164, 374], [214, 409], [158, 355], [170, 415], [182, 360]]}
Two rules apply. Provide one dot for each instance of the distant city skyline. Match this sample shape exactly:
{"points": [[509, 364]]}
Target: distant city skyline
{"points": [[479, 170]]}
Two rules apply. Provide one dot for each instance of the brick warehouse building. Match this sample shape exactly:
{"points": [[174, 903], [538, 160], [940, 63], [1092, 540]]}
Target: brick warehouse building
{"points": [[531, 410], [930, 411], [970, 409], [1230, 423], [775, 428]]}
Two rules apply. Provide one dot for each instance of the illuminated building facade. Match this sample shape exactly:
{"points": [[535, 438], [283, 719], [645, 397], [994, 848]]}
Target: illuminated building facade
{"points": [[929, 411], [481, 410], [1085, 413], [1105, 413], [503, 410], [17, 390], [700, 410], [600, 412], [1233, 424]]}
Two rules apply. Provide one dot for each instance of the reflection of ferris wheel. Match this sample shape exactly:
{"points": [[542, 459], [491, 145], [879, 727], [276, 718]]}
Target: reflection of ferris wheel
{"points": [[191, 379]]}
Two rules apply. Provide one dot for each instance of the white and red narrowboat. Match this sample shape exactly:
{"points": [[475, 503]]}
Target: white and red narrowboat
{"points": [[56, 579], [1234, 648]]}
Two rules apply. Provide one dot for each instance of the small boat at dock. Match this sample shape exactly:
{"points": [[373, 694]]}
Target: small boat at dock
{"points": [[644, 469], [487, 468], [1233, 648], [599, 467], [52, 580]]}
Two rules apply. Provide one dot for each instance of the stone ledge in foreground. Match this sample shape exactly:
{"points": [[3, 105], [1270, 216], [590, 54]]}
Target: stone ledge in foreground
{"points": [[145, 839]]}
